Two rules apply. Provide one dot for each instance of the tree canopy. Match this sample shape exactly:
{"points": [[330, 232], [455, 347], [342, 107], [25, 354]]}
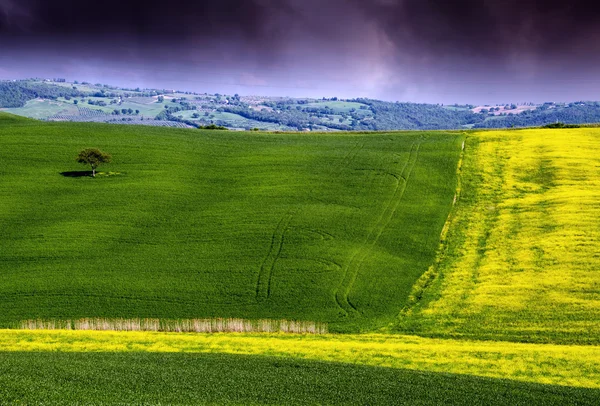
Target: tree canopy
{"points": [[93, 157]]}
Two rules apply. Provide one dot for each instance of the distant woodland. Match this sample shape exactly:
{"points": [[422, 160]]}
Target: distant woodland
{"points": [[327, 114]]}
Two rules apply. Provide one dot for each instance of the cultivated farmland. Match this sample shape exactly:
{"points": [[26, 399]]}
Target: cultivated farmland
{"points": [[418, 267], [522, 259], [171, 378], [325, 228]]}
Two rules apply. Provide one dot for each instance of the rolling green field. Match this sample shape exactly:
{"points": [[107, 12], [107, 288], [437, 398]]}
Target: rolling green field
{"points": [[463, 264], [326, 228]]}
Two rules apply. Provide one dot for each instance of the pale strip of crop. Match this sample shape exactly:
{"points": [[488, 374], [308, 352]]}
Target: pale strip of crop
{"points": [[179, 326], [570, 365], [523, 255]]}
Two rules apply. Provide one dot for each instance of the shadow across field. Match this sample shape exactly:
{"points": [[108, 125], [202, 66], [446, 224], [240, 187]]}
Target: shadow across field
{"points": [[63, 378]]}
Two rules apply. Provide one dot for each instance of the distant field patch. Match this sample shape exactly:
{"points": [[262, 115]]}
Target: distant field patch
{"points": [[338, 106], [522, 259], [502, 110], [66, 110], [42, 108]]}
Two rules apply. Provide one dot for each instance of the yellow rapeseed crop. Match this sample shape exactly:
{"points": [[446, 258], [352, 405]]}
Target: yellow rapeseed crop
{"points": [[523, 255], [570, 365]]}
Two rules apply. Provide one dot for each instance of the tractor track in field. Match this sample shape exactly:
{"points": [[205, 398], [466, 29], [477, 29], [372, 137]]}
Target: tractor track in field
{"points": [[381, 172], [318, 260], [265, 274], [321, 234], [352, 267], [346, 161], [349, 157]]}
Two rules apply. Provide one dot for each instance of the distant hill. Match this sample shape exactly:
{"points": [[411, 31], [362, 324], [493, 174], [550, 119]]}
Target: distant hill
{"points": [[58, 100]]}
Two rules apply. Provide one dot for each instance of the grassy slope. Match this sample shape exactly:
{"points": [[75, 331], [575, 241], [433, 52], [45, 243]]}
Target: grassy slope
{"points": [[42, 109], [201, 224], [522, 256], [566, 365], [109, 378]]}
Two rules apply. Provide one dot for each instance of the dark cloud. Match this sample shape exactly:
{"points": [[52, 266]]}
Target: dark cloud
{"points": [[148, 20], [427, 50], [489, 28], [60, 16], [462, 27]]}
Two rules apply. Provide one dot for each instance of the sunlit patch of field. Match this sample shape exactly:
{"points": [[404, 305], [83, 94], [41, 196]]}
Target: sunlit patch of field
{"points": [[569, 365], [523, 254]]}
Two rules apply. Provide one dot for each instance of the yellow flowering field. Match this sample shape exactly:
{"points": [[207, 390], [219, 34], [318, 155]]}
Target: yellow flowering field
{"points": [[570, 365], [522, 256]]}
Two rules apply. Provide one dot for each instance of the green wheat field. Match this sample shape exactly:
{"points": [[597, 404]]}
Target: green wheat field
{"points": [[341, 268]]}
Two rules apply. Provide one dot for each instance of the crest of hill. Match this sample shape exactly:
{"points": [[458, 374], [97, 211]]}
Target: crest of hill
{"points": [[11, 119]]}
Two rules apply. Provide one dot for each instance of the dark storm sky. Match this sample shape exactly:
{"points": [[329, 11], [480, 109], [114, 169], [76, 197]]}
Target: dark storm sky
{"points": [[443, 51]]}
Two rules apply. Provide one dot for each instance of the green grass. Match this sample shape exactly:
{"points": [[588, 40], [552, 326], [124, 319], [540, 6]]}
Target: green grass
{"points": [[216, 224], [334, 228], [142, 378]]}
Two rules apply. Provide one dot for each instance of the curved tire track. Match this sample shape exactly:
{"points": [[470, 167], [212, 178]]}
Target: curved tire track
{"points": [[352, 267], [265, 274]]}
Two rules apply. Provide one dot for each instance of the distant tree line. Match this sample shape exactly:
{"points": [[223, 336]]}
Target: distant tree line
{"points": [[314, 114], [124, 112], [168, 114], [558, 124], [413, 116], [16, 94], [548, 113], [288, 117], [374, 115], [379, 115], [100, 103]]}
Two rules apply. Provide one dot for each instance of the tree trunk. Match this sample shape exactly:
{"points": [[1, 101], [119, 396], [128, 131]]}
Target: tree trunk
{"points": [[93, 172]]}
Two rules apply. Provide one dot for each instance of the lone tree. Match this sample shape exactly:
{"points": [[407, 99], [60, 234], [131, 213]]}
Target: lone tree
{"points": [[93, 157]]}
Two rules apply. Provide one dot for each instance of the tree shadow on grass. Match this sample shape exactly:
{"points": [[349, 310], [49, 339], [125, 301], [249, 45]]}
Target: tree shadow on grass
{"points": [[76, 174], [85, 174]]}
